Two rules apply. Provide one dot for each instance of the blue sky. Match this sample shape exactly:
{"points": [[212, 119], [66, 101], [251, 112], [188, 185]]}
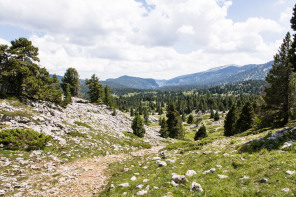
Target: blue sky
{"points": [[158, 39]]}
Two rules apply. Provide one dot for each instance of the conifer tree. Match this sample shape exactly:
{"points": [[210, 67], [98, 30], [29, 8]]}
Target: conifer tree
{"points": [[138, 126], [212, 114], [95, 89], [190, 119], [146, 117], [107, 97], [216, 116], [72, 78], [174, 122], [201, 133], [163, 128], [230, 120], [20, 76], [67, 99], [246, 116], [277, 94], [132, 112]]}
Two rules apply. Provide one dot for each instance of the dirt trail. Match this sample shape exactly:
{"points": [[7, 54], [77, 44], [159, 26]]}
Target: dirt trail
{"points": [[87, 177]]}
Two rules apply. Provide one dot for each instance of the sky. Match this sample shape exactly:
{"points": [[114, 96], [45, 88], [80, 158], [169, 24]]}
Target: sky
{"points": [[158, 39]]}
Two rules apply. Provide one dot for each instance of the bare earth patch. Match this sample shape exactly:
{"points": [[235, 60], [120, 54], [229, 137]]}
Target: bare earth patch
{"points": [[87, 177]]}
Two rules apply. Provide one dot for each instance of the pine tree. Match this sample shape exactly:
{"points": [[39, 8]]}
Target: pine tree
{"points": [[132, 112], [114, 112], [174, 122], [212, 114], [216, 116], [201, 133], [146, 117], [293, 47], [163, 128], [138, 126], [67, 99], [190, 119], [277, 94], [95, 89], [230, 120], [20, 76], [71, 77], [107, 97], [245, 120]]}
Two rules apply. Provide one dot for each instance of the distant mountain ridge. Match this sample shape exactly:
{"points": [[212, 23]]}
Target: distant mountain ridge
{"points": [[215, 76]]}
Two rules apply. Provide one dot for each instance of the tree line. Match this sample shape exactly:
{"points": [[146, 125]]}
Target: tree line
{"points": [[22, 77], [277, 106]]}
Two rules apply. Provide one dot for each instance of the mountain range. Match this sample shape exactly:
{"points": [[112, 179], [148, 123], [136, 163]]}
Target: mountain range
{"points": [[217, 76]]}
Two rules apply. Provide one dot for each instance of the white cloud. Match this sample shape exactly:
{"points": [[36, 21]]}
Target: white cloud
{"points": [[113, 38]]}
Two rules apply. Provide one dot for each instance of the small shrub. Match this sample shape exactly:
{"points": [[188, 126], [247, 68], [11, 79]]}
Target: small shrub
{"points": [[201, 133], [23, 139]]}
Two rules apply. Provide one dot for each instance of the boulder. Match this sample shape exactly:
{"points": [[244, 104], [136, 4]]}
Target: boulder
{"points": [[179, 179], [190, 173], [196, 187]]}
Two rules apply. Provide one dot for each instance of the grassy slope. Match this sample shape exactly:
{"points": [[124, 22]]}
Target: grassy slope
{"points": [[262, 159]]}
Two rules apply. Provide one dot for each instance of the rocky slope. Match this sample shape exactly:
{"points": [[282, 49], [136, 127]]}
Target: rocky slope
{"points": [[82, 130]]}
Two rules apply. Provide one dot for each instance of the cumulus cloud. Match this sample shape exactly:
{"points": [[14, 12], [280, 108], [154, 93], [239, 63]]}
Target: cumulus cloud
{"points": [[159, 39]]}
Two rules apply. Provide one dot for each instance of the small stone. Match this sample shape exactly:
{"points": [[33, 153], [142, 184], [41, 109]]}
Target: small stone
{"points": [[162, 163], [124, 193], [209, 171], [145, 180], [179, 179], [285, 190], [290, 172], [196, 187], [2, 192], [287, 144], [244, 178], [174, 184], [171, 160], [218, 166], [190, 173], [222, 176], [139, 186], [156, 158], [111, 187], [142, 193], [133, 178], [162, 154], [123, 185]]}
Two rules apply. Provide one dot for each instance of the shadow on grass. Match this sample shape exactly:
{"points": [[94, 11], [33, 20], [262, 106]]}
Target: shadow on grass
{"points": [[272, 141]]}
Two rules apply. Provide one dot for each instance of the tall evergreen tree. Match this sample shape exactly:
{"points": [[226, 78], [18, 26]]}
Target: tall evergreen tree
{"points": [[230, 120], [22, 77], [107, 97], [190, 119], [246, 116], [201, 133], [95, 89], [138, 126], [216, 116], [293, 48], [174, 122], [146, 117], [72, 78], [277, 94]]}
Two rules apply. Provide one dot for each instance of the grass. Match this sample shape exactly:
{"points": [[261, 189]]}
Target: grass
{"points": [[83, 124], [214, 150]]}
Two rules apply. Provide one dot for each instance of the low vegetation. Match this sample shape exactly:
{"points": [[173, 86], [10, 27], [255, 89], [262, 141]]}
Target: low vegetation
{"points": [[23, 139]]}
